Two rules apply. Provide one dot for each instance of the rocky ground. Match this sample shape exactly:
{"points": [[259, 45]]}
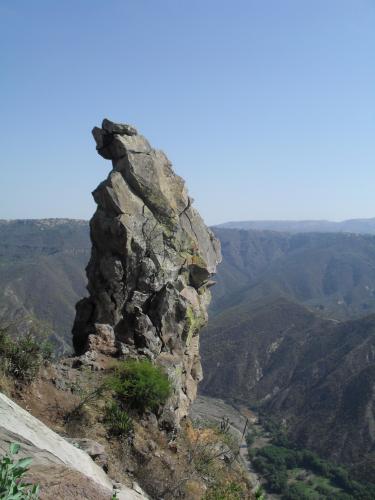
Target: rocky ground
{"points": [[206, 409], [163, 464]]}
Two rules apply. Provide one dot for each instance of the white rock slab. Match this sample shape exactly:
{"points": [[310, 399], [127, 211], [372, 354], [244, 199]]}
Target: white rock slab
{"points": [[46, 447]]}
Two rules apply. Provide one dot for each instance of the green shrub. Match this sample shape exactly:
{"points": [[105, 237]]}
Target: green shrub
{"points": [[260, 494], [26, 358], [11, 485], [229, 491], [277, 481], [280, 456], [300, 491], [22, 358], [261, 464], [140, 385], [119, 422], [324, 490]]}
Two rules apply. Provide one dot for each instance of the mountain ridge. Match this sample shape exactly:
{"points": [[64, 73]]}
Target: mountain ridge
{"points": [[334, 274], [357, 225], [314, 375]]}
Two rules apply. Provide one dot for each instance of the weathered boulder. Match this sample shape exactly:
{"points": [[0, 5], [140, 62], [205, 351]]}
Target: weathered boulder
{"points": [[61, 469], [151, 266]]}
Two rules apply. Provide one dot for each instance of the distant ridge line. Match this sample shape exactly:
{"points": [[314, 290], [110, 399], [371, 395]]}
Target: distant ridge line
{"points": [[361, 226]]}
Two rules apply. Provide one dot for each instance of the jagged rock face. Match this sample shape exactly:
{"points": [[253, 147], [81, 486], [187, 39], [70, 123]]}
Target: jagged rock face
{"points": [[151, 263]]}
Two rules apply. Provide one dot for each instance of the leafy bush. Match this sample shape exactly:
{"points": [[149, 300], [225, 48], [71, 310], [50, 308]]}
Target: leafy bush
{"points": [[260, 494], [11, 473], [341, 478], [324, 490], [277, 481], [261, 464], [299, 491], [229, 491], [119, 422], [22, 358], [140, 385]]}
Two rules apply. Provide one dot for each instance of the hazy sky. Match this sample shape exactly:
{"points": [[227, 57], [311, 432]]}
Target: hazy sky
{"points": [[265, 107]]}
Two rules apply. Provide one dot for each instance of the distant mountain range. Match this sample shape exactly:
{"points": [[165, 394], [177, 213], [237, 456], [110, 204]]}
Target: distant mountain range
{"points": [[42, 270], [333, 274], [42, 273], [364, 226]]}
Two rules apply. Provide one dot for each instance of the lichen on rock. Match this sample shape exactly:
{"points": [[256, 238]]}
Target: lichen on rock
{"points": [[151, 266]]}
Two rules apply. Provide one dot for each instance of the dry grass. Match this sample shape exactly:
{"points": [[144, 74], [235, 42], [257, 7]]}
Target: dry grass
{"points": [[184, 466]]}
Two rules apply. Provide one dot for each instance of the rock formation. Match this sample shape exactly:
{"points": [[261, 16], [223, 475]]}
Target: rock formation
{"points": [[151, 266]]}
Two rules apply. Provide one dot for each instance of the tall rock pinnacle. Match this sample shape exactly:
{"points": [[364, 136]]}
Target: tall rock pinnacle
{"points": [[150, 268]]}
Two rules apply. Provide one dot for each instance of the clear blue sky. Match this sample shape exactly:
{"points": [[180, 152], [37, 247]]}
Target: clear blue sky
{"points": [[265, 107]]}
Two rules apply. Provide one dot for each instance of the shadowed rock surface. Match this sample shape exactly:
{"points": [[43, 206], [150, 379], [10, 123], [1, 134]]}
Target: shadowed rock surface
{"points": [[151, 265]]}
